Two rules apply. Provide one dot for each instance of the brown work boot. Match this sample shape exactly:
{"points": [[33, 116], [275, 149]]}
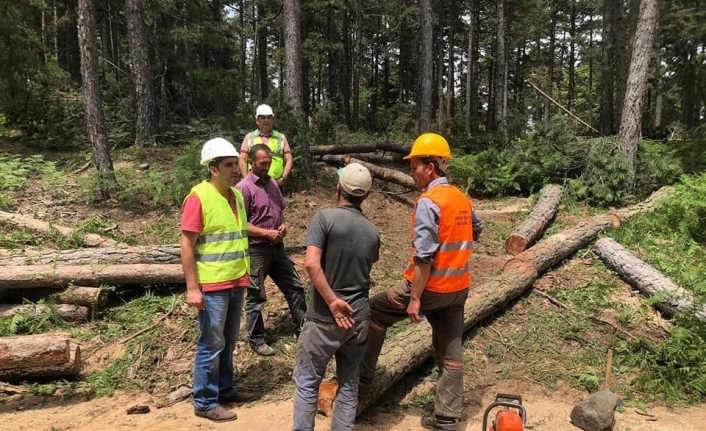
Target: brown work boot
{"points": [[437, 423], [234, 396], [218, 414]]}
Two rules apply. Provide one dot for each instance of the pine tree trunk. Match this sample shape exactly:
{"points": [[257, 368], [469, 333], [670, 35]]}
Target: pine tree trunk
{"points": [[659, 94], [500, 74], [620, 60], [426, 59], [607, 107], [91, 94], [630, 125], [293, 53], [534, 225], [550, 55], [142, 73], [262, 74], [28, 277], [471, 109], [357, 66], [646, 279], [451, 70]]}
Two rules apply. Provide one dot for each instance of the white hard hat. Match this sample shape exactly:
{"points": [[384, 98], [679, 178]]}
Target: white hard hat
{"points": [[264, 110], [217, 147]]}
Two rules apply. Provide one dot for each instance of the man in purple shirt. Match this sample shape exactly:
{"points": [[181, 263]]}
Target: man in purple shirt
{"points": [[265, 206]]}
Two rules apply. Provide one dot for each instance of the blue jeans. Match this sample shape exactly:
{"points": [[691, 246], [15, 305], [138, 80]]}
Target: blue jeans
{"points": [[318, 343], [219, 323], [272, 260]]}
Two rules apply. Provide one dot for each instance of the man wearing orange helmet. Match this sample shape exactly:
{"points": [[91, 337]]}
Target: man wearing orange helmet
{"points": [[436, 282]]}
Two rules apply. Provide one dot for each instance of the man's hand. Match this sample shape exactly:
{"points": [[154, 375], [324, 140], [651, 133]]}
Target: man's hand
{"points": [[194, 298], [283, 230], [274, 236], [280, 181], [342, 312], [413, 311]]}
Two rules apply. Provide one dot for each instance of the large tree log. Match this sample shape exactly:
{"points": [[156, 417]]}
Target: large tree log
{"points": [[538, 220], [385, 174], [412, 347], [376, 157], [93, 297], [391, 146], [61, 276], [70, 368], [40, 350], [158, 254], [646, 279], [87, 239], [342, 149], [68, 312]]}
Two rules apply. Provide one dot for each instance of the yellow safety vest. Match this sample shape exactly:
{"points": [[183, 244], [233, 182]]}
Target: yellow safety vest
{"points": [[222, 252], [276, 144]]}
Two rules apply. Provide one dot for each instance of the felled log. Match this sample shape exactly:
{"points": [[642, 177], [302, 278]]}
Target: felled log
{"points": [[647, 279], [157, 254], [376, 157], [42, 350], [61, 276], [87, 239], [70, 368], [389, 175], [563, 245], [93, 297], [68, 312], [538, 220], [161, 254], [342, 149], [410, 348], [394, 147]]}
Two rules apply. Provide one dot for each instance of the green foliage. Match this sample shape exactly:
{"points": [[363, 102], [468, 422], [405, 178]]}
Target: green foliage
{"points": [[603, 180], [26, 323], [658, 165]]}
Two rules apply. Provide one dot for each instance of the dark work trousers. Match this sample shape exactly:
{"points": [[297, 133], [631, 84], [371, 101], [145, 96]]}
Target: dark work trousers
{"points": [[271, 260], [444, 312]]}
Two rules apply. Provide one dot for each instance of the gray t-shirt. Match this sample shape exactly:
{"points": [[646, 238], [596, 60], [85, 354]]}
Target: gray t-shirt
{"points": [[350, 245]]}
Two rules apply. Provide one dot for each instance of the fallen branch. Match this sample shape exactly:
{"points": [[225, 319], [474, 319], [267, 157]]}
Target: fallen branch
{"points": [[538, 220], [88, 239], [647, 280], [342, 149], [546, 96], [138, 333]]}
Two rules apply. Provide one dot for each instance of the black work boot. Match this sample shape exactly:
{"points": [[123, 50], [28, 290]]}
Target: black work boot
{"points": [[438, 423]]}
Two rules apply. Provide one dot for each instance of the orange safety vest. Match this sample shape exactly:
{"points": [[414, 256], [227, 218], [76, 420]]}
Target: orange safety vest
{"points": [[449, 269]]}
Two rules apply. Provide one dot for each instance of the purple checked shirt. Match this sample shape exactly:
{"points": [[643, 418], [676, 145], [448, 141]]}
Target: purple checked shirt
{"points": [[264, 203]]}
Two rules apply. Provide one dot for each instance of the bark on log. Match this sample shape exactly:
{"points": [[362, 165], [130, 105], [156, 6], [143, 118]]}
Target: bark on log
{"points": [[385, 174], [376, 157], [29, 351], [646, 279], [342, 149], [391, 146], [160, 254], [412, 347], [538, 220], [88, 239], [70, 368], [68, 312], [61, 276], [93, 297], [563, 245]]}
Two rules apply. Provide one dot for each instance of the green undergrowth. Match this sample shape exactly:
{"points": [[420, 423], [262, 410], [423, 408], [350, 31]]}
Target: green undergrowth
{"points": [[673, 240]]}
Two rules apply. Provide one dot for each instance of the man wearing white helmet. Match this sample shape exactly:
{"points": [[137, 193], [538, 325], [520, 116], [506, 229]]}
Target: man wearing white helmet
{"points": [[215, 257], [282, 159]]}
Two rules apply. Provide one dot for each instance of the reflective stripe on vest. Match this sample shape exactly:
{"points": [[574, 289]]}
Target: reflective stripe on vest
{"points": [[221, 252], [276, 144], [450, 269]]}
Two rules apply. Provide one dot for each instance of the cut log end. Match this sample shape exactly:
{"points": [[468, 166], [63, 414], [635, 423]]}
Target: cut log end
{"points": [[327, 396], [515, 244]]}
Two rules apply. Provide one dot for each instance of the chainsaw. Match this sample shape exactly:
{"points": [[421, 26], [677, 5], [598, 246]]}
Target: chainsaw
{"points": [[511, 416]]}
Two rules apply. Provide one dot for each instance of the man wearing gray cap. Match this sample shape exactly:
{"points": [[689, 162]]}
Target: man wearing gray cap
{"points": [[342, 245]]}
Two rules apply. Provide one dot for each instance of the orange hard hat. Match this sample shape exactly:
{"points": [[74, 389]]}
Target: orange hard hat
{"points": [[430, 145]]}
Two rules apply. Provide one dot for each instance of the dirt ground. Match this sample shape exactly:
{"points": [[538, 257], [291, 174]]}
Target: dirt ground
{"points": [[547, 410]]}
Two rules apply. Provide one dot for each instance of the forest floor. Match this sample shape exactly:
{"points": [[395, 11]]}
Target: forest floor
{"points": [[550, 357]]}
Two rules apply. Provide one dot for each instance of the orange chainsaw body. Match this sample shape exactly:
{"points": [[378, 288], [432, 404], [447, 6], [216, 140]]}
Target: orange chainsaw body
{"points": [[511, 415]]}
